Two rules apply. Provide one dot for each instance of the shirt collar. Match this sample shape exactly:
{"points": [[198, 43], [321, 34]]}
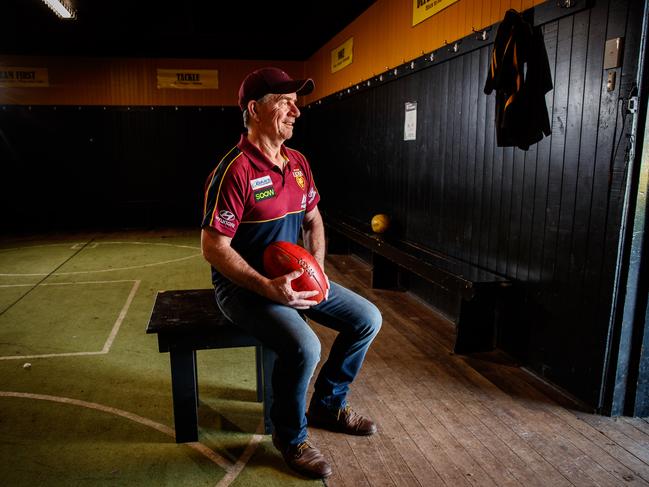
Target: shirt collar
{"points": [[257, 158]]}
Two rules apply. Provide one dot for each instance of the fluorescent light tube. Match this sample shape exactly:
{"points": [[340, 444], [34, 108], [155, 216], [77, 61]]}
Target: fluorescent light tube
{"points": [[63, 11]]}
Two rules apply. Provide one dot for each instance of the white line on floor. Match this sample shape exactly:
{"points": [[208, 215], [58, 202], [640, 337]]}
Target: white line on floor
{"points": [[199, 447], [111, 337], [141, 266], [68, 283], [76, 244], [236, 469], [120, 318]]}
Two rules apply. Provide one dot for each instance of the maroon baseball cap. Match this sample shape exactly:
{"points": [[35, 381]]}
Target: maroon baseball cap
{"points": [[271, 80]]}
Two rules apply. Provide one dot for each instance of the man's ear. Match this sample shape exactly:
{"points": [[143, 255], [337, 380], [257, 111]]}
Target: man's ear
{"points": [[252, 108]]}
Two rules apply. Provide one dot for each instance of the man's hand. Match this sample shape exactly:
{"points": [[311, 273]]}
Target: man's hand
{"points": [[280, 290]]}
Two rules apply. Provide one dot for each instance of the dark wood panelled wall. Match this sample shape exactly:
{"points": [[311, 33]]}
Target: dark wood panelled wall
{"points": [[109, 167], [548, 217]]}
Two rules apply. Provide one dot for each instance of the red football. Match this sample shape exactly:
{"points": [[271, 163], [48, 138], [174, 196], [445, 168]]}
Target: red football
{"points": [[280, 258]]}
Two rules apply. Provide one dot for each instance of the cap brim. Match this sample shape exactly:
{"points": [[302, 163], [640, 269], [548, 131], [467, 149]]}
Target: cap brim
{"points": [[306, 88], [299, 87]]}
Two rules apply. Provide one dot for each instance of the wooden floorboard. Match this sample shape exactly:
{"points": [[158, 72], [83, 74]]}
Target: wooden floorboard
{"points": [[580, 428], [575, 436], [640, 424], [479, 420]]}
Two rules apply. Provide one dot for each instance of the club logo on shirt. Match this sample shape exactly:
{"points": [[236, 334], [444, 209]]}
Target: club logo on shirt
{"points": [[261, 182], [299, 178]]}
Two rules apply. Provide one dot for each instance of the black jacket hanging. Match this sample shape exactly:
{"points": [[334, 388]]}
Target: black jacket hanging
{"points": [[520, 74]]}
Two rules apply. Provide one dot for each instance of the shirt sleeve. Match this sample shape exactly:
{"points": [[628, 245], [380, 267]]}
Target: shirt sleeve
{"points": [[312, 194], [224, 201]]}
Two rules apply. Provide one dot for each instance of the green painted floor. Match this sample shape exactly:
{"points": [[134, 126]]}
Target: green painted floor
{"points": [[85, 397]]}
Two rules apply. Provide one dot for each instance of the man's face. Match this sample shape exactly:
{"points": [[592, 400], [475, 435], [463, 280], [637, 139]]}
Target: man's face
{"points": [[277, 115]]}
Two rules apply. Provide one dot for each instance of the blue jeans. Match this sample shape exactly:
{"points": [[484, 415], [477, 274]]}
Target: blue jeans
{"points": [[283, 330]]}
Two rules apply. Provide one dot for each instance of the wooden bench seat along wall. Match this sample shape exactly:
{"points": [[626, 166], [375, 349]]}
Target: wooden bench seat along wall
{"points": [[189, 320], [479, 294]]}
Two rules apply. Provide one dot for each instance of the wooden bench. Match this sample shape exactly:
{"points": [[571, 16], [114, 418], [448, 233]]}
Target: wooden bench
{"points": [[186, 321], [477, 292]]}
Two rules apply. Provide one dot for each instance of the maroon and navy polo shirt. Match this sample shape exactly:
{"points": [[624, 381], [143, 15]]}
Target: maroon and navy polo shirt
{"points": [[254, 202]]}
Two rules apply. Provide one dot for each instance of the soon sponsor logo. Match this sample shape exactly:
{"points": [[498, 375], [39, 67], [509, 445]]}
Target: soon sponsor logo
{"points": [[265, 194]]}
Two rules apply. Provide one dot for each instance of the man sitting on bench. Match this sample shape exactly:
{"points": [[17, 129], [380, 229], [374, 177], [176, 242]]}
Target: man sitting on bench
{"points": [[262, 192]]}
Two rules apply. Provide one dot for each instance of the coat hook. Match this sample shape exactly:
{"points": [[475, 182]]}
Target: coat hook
{"points": [[483, 34], [455, 47]]}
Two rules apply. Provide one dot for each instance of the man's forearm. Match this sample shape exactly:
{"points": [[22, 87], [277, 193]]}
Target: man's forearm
{"points": [[314, 238], [229, 262], [218, 252]]}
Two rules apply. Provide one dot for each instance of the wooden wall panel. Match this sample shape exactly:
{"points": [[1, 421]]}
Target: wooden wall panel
{"points": [[114, 168], [129, 82], [541, 217]]}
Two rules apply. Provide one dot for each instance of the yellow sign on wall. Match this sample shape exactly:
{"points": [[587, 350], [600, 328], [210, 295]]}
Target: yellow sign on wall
{"points": [[18, 77], [189, 79], [422, 9], [342, 55]]}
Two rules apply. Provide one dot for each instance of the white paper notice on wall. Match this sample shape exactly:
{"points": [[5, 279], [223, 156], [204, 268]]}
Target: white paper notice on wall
{"points": [[410, 124]]}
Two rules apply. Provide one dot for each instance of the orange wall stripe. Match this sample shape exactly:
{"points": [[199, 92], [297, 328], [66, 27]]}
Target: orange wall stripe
{"points": [[383, 38], [129, 81]]}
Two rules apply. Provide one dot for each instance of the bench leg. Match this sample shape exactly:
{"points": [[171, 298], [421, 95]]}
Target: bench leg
{"points": [[185, 395], [198, 402], [385, 273], [268, 362], [337, 244], [475, 330]]}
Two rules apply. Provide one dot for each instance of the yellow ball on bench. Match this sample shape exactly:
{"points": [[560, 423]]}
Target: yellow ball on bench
{"points": [[380, 223]]}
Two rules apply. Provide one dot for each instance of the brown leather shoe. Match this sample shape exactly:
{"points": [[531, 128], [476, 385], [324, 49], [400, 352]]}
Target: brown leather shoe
{"points": [[304, 458], [344, 420]]}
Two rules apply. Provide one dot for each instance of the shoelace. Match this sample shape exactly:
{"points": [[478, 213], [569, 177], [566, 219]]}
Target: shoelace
{"points": [[352, 416], [300, 448], [346, 410]]}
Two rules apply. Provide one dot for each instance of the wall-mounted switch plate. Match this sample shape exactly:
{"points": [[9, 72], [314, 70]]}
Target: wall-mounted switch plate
{"points": [[613, 53]]}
